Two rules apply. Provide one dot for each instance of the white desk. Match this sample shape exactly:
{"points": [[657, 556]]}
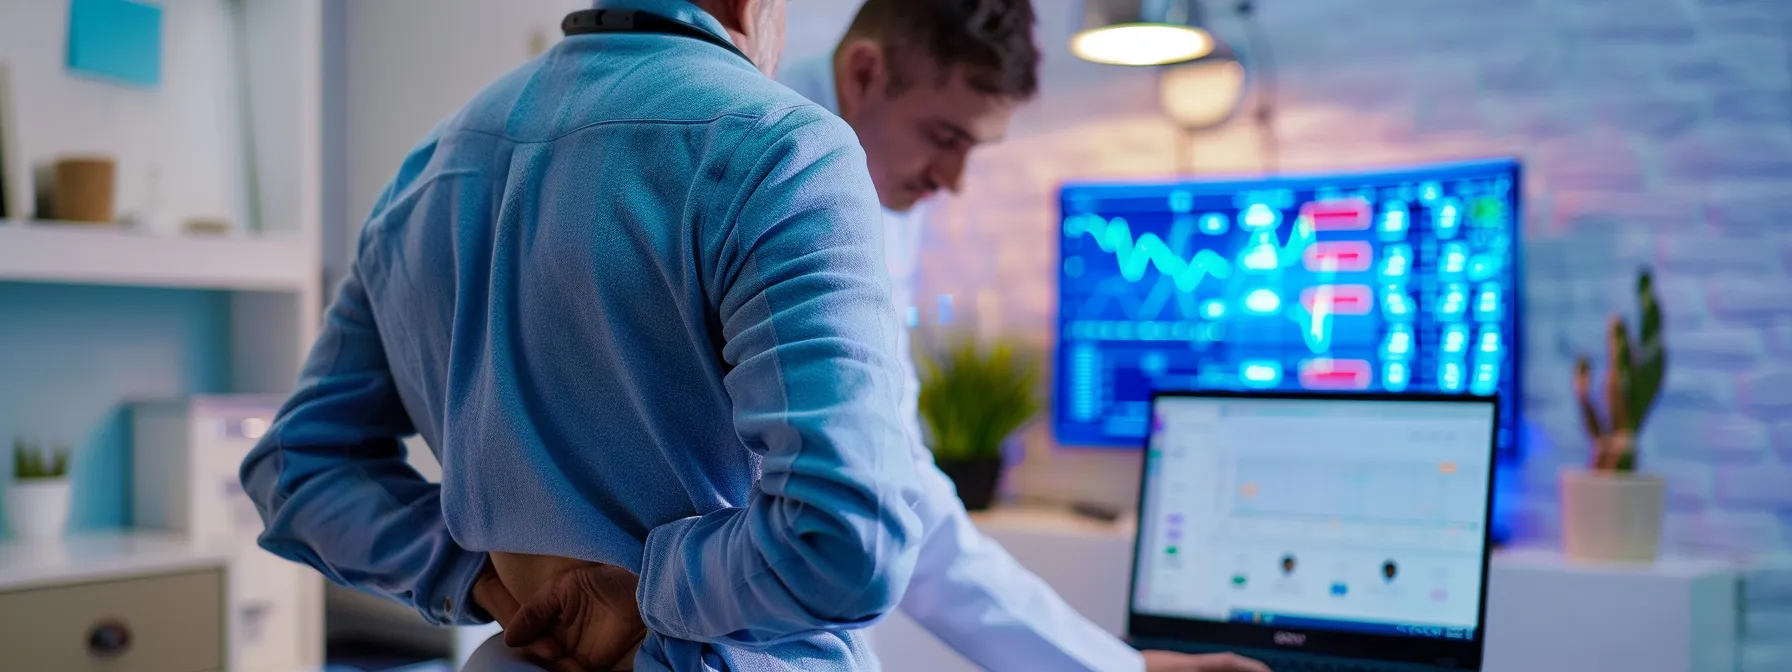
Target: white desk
{"points": [[1544, 613]]}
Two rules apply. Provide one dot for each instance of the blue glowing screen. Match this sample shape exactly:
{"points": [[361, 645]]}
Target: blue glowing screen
{"points": [[1399, 280]]}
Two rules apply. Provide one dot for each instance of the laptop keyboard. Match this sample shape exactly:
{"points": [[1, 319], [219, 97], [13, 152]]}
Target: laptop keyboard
{"points": [[1319, 666]]}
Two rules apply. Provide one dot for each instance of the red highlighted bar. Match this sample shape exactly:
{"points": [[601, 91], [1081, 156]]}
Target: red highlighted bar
{"points": [[1335, 374], [1338, 299], [1347, 256], [1348, 214]]}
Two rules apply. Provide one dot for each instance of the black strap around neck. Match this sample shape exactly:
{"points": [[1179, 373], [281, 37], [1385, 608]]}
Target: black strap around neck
{"points": [[592, 21]]}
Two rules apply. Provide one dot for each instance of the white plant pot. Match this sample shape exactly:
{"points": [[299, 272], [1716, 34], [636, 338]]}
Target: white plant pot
{"points": [[38, 508], [1612, 517]]}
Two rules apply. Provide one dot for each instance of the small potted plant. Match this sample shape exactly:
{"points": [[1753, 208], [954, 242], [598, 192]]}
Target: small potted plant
{"points": [[973, 398], [37, 503], [1609, 511]]}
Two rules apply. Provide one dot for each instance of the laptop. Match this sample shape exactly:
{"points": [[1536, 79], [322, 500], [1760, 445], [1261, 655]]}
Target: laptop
{"points": [[1316, 531]]}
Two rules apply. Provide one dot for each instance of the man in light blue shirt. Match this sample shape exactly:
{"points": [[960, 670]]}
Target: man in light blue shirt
{"points": [[632, 296], [923, 82]]}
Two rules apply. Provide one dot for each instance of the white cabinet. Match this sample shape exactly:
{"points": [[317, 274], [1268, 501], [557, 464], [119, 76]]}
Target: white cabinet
{"points": [[116, 602], [186, 455]]}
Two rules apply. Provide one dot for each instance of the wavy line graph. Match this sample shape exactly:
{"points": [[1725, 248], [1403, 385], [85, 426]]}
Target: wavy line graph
{"points": [[1137, 255], [1318, 330], [1315, 326]]}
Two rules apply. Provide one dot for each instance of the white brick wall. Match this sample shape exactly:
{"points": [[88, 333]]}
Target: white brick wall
{"points": [[1653, 131]]}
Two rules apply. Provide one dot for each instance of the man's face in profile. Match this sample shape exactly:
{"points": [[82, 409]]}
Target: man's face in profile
{"points": [[918, 135]]}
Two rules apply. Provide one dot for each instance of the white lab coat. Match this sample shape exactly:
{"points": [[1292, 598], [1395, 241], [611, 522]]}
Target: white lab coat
{"points": [[967, 590]]}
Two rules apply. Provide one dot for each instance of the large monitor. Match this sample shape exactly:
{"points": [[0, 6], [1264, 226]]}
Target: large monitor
{"points": [[1403, 280]]}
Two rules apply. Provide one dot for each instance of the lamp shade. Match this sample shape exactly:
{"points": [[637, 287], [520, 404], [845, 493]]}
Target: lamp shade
{"points": [[1202, 94], [1142, 32]]}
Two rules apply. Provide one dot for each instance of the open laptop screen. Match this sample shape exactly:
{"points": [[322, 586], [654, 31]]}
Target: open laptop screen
{"points": [[1317, 513]]}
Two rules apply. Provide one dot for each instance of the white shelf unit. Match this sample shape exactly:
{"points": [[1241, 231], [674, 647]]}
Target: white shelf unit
{"points": [[273, 278], [105, 255]]}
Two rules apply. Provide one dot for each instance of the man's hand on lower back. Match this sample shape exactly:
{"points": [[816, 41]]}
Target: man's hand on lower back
{"points": [[589, 613], [491, 595], [1165, 661]]}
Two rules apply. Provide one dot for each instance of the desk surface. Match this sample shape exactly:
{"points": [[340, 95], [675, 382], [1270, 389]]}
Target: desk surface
{"points": [[1004, 521], [1050, 520], [1553, 560], [102, 556]]}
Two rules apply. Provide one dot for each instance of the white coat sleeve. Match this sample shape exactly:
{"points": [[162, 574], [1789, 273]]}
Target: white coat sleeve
{"points": [[976, 598]]}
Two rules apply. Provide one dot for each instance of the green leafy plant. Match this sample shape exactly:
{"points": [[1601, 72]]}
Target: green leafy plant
{"points": [[973, 397], [1634, 370], [30, 462]]}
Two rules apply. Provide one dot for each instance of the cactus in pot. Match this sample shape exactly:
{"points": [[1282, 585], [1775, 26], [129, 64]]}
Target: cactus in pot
{"points": [[1633, 375], [1611, 513]]}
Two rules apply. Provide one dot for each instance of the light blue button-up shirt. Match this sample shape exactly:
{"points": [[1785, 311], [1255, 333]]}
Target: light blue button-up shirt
{"points": [[633, 297], [967, 590]]}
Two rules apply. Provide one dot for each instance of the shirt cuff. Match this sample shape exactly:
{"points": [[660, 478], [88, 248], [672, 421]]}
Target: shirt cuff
{"points": [[456, 606]]}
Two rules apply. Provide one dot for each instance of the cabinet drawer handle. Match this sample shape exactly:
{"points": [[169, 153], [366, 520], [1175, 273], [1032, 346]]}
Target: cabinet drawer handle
{"points": [[109, 639]]}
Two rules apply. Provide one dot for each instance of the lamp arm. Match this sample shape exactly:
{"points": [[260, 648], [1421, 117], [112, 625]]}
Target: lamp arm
{"points": [[1263, 62]]}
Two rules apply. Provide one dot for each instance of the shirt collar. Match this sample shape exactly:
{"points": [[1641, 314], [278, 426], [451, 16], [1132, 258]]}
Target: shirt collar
{"points": [[680, 10]]}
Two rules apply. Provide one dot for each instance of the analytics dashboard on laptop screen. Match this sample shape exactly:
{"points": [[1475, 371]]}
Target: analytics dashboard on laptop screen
{"points": [[1355, 516], [1401, 280]]}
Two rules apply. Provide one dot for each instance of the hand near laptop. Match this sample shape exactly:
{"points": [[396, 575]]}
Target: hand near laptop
{"points": [[1168, 661]]}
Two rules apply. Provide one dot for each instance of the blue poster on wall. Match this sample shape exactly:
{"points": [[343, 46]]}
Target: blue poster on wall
{"points": [[116, 40]]}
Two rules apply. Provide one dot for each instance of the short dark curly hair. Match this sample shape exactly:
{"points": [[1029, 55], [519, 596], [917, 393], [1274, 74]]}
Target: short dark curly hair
{"points": [[990, 41]]}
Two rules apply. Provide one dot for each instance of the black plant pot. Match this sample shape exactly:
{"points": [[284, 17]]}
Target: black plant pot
{"points": [[976, 479]]}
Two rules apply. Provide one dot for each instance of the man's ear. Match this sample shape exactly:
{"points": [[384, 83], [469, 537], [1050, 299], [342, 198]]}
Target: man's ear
{"points": [[864, 71]]}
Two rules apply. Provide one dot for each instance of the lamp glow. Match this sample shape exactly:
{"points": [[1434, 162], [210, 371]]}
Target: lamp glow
{"points": [[1141, 44], [1202, 94]]}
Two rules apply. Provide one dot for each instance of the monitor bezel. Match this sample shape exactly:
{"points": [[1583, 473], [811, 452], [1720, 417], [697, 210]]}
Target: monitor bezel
{"points": [[1511, 450], [1447, 653]]}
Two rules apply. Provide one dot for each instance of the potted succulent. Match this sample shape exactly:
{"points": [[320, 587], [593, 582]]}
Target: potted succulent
{"points": [[973, 398], [1610, 512], [37, 503]]}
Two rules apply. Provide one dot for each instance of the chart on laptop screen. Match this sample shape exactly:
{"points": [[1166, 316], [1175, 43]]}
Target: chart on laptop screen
{"points": [[1348, 515], [1392, 281]]}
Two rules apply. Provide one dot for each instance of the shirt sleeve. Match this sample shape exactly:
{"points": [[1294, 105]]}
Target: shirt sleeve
{"points": [[828, 538], [977, 599], [333, 486]]}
